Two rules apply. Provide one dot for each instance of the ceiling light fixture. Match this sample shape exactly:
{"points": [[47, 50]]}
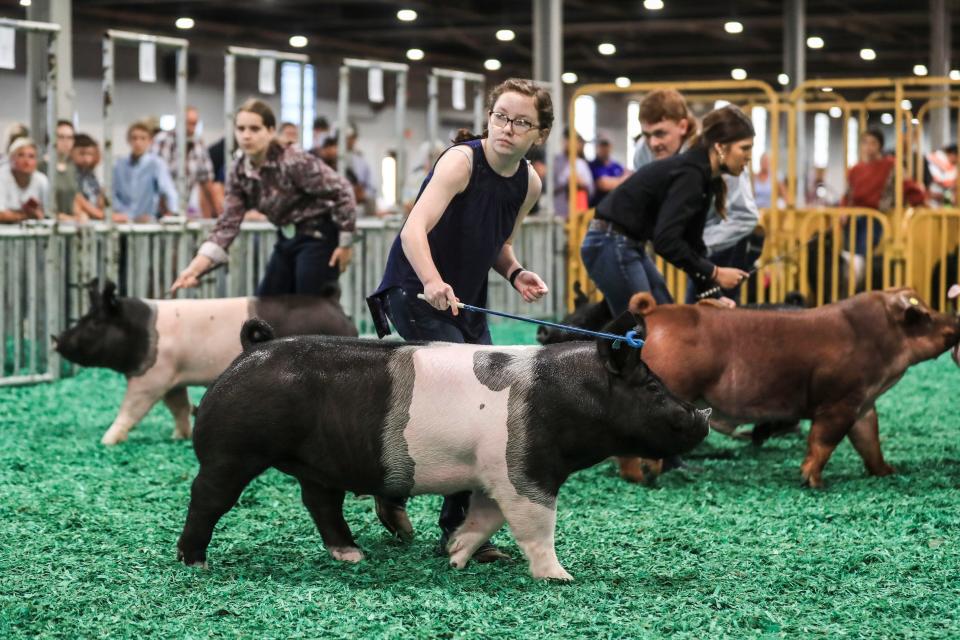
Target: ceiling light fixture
{"points": [[623, 82], [606, 48], [886, 118], [835, 112], [569, 77], [919, 69], [783, 79], [406, 15], [738, 74], [733, 27], [815, 42], [868, 54], [298, 42], [415, 54], [492, 64], [906, 105], [184, 23], [955, 74], [653, 5], [506, 35]]}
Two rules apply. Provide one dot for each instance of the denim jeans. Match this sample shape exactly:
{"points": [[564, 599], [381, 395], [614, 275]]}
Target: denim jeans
{"points": [[301, 265], [621, 267], [860, 235], [414, 319]]}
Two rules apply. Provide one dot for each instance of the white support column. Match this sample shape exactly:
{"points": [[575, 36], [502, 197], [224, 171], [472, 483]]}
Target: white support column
{"points": [[547, 68], [795, 66], [940, 24]]}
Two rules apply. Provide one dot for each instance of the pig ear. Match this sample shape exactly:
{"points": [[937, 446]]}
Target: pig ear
{"points": [[579, 297], [915, 312], [93, 292], [641, 304], [620, 360], [109, 296]]}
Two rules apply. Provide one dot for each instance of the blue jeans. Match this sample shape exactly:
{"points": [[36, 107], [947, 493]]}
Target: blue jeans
{"points": [[621, 267], [414, 319], [742, 255], [301, 265], [860, 235]]}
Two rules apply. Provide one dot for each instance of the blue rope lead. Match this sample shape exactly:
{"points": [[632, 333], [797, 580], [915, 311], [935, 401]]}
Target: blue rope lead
{"points": [[630, 337]]}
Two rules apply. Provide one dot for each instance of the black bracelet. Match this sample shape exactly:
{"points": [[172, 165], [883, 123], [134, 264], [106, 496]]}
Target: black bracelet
{"points": [[513, 276]]}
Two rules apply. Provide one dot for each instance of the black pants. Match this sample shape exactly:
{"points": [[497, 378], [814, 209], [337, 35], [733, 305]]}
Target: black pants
{"points": [[301, 264], [416, 320]]}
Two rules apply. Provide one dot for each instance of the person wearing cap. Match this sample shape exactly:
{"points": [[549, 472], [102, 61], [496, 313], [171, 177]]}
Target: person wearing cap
{"points": [[23, 189], [607, 172]]}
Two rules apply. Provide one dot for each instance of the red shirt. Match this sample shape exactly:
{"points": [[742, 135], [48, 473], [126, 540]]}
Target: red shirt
{"points": [[866, 180]]}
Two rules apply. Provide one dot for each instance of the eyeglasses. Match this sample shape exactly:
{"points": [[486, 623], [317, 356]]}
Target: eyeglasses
{"points": [[520, 125]]}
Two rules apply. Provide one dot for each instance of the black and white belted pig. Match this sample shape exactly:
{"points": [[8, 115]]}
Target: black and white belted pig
{"points": [[161, 346], [396, 419]]}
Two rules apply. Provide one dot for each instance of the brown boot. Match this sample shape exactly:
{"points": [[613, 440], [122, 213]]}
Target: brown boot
{"points": [[392, 513]]}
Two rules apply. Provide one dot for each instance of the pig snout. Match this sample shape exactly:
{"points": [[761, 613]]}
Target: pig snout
{"points": [[543, 334]]}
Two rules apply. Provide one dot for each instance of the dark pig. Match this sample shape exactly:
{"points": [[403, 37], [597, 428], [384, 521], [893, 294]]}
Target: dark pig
{"points": [[161, 346], [396, 419]]}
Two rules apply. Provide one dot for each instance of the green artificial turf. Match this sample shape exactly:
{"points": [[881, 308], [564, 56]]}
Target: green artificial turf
{"points": [[734, 549]]}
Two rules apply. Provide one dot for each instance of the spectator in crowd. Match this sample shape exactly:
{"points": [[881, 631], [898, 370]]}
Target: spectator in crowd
{"points": [[607, 172], [23, 189], [763, 183], [361, 169], [289, 135], [199, 167], [666, 124], [537, 157], [561, 178], [14, 131], [65, 184], [730, 240], [941, 178], [141, 179], [870, 184], [321, 130], [327, 151], [427, 156], [90, 201]]}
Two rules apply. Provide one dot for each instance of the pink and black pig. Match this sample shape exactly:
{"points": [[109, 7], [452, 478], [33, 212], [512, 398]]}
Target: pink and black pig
{"points": [[954, 294], [509, 424], [162, 346]]}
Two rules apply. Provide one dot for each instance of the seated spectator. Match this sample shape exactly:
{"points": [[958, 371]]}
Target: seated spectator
{"points": [[23, 189], [208, 202], [561, 179], [89, 201], [140, 179], [288, 135], [607, 172]]}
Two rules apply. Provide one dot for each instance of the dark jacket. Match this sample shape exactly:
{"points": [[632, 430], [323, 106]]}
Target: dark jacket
{"points": [[667, 202]]}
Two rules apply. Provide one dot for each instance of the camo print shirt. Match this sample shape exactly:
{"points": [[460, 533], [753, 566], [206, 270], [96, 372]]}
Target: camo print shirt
{"points": [[289, 187]]}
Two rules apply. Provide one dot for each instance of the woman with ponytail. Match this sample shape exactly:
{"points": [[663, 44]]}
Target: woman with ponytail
{"points": [[666, 202], [463, 222]]}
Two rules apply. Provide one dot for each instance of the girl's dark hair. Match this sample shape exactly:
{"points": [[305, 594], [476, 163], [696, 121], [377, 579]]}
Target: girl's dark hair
{"points": [[541, 100], [876, 134], [262, 109], [723, 126]]}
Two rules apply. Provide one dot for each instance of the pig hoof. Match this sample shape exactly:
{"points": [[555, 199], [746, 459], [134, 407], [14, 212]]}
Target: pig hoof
{"points": [[200, 562], [346, 554], [885, 470], [111, 439], [179, 434], [459, 562], [557, 573], [393, 517]]}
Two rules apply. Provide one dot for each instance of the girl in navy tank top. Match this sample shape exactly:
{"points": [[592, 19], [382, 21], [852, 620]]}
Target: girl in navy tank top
{"points": [[469, 208]]}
